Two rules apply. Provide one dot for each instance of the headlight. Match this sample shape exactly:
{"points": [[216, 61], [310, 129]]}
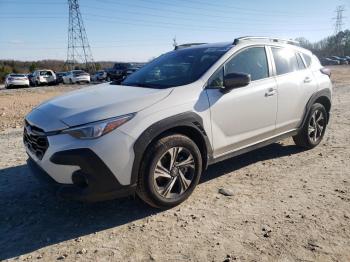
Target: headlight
{"points": [[98, 129]]}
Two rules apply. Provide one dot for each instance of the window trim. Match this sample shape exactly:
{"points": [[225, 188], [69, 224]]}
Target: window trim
{"points": [[302, 60], [302, 56], [222, 66]]}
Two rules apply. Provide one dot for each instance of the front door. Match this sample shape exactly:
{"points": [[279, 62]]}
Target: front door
{"points": [[246, 115]]}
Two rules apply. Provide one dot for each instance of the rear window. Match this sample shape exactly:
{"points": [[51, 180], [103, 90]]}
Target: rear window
{"points": [[300, 62], [17, 75], [285, 60], [45, 73], [307, 60]]}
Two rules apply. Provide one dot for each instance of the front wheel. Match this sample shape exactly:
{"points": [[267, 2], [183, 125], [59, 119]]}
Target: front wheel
{"points": [[313, 129], [170, 171]]}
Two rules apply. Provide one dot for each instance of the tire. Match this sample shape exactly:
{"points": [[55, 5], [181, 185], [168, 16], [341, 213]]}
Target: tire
{"points": [[153, 187], [309, 137]]}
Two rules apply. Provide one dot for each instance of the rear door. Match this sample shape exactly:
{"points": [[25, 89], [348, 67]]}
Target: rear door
{"points": [[245, 115], [295, 83]]}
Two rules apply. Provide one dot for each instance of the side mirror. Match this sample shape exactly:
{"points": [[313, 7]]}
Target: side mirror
{"points": [[235, 80]]}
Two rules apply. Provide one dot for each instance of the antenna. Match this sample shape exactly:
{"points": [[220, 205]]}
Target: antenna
{"points": [[339, 19], [79, 51]]}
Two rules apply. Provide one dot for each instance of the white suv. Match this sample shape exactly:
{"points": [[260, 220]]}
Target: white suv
{"points": [[45, 76], [157, 132]]}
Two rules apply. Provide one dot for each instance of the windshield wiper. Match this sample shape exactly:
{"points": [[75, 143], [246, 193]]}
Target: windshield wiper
{"points": [[146, 85]]}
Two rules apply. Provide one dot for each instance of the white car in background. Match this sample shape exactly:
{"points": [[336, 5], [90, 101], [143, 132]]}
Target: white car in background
{"points": [[76, 77], [44, 77], [16, 80]]}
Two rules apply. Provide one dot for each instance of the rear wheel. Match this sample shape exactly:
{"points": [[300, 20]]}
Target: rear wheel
{"points": [[314, 127], [170, 171]]}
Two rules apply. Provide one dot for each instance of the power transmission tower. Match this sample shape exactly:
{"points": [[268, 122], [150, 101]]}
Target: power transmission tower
{"points": [[79, 51], [174, 42], [339, 19]]}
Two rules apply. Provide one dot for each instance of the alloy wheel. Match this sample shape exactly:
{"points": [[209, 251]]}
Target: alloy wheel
{"points": [[174, 172], [316, 126]]}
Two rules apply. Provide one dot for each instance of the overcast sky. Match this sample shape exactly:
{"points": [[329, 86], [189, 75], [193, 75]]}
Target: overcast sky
{"points": [[137, 30]]}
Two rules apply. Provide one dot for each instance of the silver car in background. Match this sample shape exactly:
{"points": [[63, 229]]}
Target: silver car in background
{"points": [[16, 80]]}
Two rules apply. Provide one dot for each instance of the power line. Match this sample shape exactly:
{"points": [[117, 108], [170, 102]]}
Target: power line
{"points": [[216, 20], [211, 7]]}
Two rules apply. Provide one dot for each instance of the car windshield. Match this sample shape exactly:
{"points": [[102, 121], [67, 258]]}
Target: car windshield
{"points": [[77, 73], [122, 66], [176, 68]]}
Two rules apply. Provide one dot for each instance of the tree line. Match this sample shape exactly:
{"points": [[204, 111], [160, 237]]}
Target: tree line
{"points": [[338, 45]]}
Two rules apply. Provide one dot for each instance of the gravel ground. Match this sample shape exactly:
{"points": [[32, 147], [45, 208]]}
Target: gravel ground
{"points": [[286, 204]]}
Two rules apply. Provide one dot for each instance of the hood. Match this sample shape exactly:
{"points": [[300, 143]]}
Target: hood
{"points": [[93, 104]]}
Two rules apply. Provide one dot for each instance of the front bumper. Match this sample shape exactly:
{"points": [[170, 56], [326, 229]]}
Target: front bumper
{"points": [[88, 170], [92, 182]]}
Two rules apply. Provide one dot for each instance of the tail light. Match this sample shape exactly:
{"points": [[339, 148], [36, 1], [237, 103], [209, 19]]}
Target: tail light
{"points": [[326, 71], [10, 78]]}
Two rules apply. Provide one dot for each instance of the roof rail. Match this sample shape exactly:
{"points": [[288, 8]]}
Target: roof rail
{"points": [[271, 39], [187, 45]]}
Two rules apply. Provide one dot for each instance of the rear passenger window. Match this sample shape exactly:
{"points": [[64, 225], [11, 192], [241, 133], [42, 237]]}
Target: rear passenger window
{"points": [[300, 62], [307, 59], [250, 61], [285, 60]]}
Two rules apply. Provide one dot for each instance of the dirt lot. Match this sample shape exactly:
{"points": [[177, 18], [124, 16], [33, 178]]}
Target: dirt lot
{"points": [[287, 204]]}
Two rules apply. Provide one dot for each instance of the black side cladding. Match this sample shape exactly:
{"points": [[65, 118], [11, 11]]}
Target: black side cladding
{"points": [[187, 119], [101, 184], [323, 95]]}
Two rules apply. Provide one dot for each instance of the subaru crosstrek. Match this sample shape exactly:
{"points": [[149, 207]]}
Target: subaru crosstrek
{"points": [[156, 133]]}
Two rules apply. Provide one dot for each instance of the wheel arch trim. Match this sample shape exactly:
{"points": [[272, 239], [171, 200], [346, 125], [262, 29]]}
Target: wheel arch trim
{"points": [[179, 122], [324, 94]]}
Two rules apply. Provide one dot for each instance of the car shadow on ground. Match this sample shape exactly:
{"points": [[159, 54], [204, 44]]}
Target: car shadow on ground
{"points": [[32, 217]]}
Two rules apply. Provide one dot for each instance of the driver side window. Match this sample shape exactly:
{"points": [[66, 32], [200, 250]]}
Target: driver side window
{"points": [[252, 61]]}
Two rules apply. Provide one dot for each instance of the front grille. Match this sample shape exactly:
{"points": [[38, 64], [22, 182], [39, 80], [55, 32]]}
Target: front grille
{"points": [[35, 140]]}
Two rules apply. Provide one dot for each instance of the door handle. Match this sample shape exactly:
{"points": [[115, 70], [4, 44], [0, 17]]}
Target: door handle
{"points": [[270, 92], [307, 79]]}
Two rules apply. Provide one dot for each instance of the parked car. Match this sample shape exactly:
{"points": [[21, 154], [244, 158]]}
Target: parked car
{"points": [[44, 77], [347, 58], [133, 69], [76, 77], [342, 61], [100, 75], [13, 80], [155, 134], [31, 79], [119, 71], [328, 61], [59, 77]]}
